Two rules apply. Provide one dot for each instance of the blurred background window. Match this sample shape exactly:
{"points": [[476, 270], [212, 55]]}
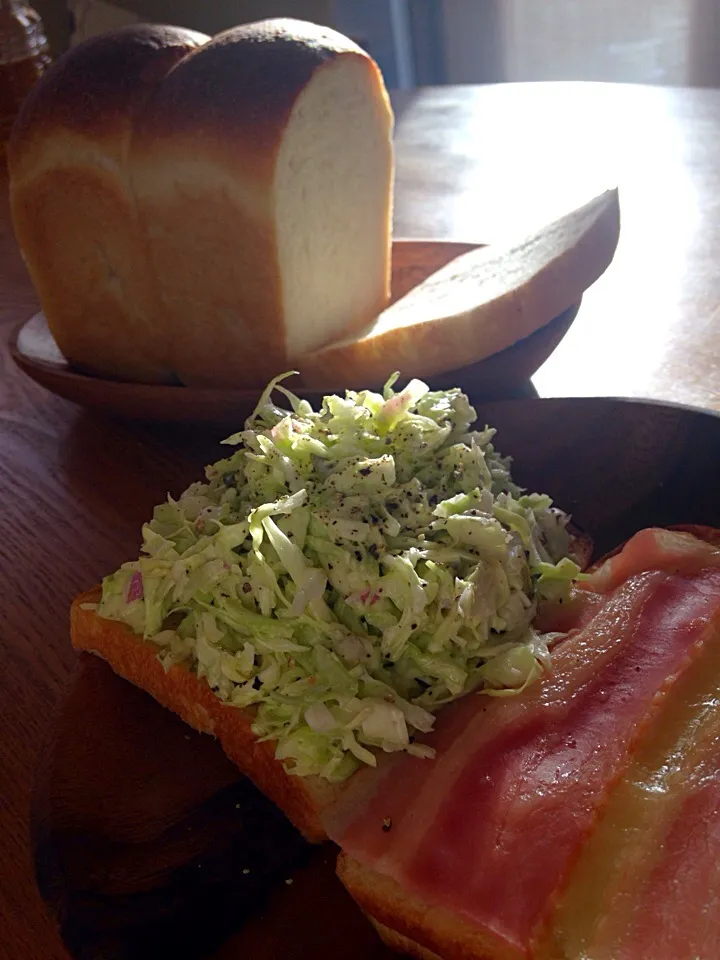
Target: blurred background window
{"points": [[419, 42], [673, 42]]}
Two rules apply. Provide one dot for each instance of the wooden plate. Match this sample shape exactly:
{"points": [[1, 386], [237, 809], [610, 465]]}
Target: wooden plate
{"points": [[36, 353], [147, 841]]}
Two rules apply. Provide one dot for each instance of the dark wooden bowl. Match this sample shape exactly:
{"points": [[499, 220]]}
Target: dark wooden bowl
{"points": [[143, 831], [501, 375]]}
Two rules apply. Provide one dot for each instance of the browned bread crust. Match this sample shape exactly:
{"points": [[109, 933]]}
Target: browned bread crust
{"points": [[95, 88], [300, 798], [72, 204], [235, 107]]}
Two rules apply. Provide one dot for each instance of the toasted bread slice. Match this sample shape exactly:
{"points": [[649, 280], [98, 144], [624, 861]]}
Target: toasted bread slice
{"points": [[300, 798]]}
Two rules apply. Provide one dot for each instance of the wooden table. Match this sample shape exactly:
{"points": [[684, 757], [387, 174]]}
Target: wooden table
{"points": [[479, 163], [473, 163]]}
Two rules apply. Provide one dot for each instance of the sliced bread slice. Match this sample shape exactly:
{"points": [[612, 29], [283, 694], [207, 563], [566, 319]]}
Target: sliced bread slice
{"points": [[477, 305]]}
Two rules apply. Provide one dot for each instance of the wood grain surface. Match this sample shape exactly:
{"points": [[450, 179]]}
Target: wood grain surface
{"points": [[473, 164]]}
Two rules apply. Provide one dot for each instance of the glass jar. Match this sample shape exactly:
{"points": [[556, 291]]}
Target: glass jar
{"points": [[24, 56]]}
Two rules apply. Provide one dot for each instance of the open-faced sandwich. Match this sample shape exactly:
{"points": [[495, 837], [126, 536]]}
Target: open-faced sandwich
{"points": [[338, 578], [397, 644]]}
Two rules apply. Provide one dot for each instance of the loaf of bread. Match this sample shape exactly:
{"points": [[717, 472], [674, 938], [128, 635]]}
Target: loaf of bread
{"points": [[206, 224], [73, 206]]}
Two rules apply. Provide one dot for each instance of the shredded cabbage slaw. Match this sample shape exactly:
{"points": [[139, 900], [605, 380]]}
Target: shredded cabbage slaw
{"points": [[346, 571]]}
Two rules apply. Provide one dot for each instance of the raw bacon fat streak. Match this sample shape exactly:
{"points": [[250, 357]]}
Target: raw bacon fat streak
{"points": [[647, 882], [496, 831]]}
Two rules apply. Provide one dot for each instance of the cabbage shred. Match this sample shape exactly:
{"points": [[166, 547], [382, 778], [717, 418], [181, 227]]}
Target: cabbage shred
{"points": [[346, 571]]}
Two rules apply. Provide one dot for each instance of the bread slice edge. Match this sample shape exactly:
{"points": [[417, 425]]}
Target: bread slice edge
{"points": [[301, 799]]}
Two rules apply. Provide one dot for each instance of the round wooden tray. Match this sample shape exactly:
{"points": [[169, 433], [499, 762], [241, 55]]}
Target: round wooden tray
{"points": [[501, 375], [147, 841]]}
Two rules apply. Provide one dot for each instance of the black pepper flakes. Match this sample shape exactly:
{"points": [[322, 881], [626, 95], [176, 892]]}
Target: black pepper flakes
{"points": [[364, 471], [246, 588]]}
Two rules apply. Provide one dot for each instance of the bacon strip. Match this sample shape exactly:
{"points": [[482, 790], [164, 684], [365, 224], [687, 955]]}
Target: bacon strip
{"points": [[409, 789], [534, 795], [492, 827], [677, 910], [646, 884]]}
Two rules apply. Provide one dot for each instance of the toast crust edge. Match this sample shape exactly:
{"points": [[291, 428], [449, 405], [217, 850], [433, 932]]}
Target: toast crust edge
{"points": [[300, 798]]}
